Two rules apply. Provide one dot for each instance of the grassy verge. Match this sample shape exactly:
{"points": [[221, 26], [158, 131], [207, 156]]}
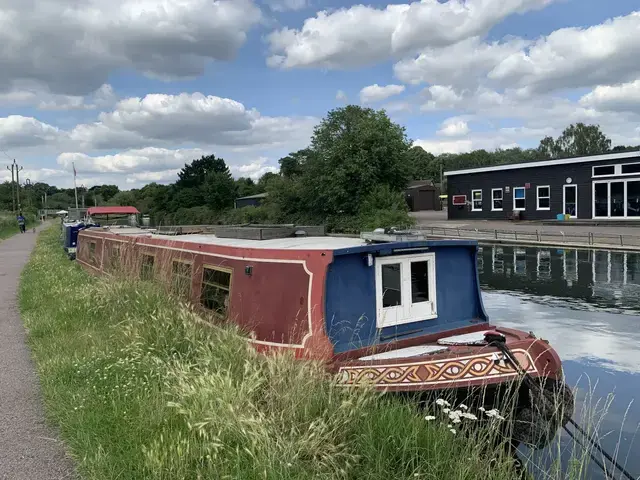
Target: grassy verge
{"points": [[140, 389]]}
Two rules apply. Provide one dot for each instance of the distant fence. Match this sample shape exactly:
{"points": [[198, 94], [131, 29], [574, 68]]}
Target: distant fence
{"points": [[488, 235], [585, 238]]}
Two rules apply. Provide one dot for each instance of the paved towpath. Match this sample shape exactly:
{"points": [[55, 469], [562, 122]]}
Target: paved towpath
{"points": [[29, 449]]}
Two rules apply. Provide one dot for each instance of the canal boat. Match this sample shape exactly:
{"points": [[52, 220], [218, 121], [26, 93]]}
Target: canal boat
{"points": [[397, 311]]}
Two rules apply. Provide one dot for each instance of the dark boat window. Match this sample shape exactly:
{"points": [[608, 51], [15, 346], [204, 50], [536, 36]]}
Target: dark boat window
{"points": [[216, 285], [391, 289], [420, 281], [92, 252], [146, 267], [181, 278]]}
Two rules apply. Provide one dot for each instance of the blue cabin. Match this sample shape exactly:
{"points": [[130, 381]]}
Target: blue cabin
{"points": [[384, 292], [70, 235]]}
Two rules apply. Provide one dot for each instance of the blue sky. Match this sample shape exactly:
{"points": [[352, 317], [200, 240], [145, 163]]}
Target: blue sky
{"points": [[459, 74]]}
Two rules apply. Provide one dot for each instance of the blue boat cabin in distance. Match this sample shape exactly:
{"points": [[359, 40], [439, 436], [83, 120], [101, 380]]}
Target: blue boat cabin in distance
{"points": [[380, 293]]}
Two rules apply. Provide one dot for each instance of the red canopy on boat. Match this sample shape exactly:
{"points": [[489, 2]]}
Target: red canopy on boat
{"points": [[112, 210]]}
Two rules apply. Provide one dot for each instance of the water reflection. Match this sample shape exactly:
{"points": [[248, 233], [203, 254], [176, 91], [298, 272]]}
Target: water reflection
{"points": [[587, 304], [601, 279]]}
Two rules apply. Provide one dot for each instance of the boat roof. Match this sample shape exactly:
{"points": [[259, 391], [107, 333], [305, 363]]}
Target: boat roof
{"points": [[107, 210], [339, 245]]}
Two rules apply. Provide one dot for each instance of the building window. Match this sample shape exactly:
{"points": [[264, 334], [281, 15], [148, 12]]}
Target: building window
{"points": [[519, 198], [544, 197], [604, 170], [181, 279], [146, 267], [476, 198], [405, 289], [216, 285], [496, 199], [630, 168]]}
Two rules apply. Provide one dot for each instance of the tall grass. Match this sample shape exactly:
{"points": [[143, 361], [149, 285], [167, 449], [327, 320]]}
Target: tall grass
{"points": [[9, 223], [141, 389]]}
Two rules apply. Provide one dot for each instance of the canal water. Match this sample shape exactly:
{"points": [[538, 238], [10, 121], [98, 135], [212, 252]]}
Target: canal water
{"points": [[587, 304]]}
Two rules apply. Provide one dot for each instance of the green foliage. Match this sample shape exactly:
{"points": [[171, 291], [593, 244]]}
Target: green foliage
{"points": [[576, 140], [141, 388]]}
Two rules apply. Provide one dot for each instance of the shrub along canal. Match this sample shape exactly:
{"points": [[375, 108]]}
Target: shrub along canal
{"points": [[587, 304]]}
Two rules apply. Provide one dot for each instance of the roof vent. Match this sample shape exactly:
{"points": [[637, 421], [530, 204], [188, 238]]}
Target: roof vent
{"points": [[300, 233]]}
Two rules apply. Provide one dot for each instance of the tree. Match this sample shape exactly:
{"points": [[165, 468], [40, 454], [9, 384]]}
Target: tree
{"points": [[354, 150], [245, 187], [422, 165], [293, 164], [576, 141], [264, 181], [194, 174], [107, 192], [219, 190]]}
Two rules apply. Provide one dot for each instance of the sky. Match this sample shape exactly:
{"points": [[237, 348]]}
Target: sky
{"points": [[130, 90]]}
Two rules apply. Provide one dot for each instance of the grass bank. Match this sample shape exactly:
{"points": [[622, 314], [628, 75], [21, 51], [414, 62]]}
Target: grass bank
{"points": [[140, 389], [9, 224]]}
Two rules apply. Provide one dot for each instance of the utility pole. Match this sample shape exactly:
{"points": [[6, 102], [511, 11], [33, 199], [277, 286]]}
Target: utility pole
{"points": [[13, 194], [18, 169]]}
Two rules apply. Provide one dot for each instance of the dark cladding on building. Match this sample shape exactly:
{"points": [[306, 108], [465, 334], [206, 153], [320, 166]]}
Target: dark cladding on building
{"points": [[599, 186]]}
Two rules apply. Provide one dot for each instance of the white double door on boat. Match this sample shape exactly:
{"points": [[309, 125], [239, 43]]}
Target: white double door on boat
{"points": [[405, 289]]}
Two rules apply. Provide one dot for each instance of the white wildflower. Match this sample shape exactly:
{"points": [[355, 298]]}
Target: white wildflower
{"points": [[463, 406], [494, 414], [428, 418], [456, 420], [449, 426], [452, 430], [469, 416], [442, 402], [481, 409], [446, 410]]}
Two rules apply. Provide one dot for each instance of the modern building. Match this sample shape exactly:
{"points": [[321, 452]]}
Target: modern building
{"points": [[422, 195], [251, 200], [595, 187]]}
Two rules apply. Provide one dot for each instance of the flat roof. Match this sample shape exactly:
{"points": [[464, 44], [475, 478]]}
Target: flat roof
{"points": [[548, 163], [258, 195]]}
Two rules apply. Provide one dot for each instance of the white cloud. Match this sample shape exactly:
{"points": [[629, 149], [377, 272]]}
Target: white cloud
{"points": [[460, 64], [254, 170], [441, 97], [376, 93], [341, 96], [575, 57], [438, 147], [17, 131], [146, 160], [284, 5], [617, 98], [72, 47], [362, 35], [189, 119], [35, 95], [453, 127]]}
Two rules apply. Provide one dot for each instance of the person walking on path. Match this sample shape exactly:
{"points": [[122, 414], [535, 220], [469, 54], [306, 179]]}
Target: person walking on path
{"points": [[22, 223], [29, 449]]}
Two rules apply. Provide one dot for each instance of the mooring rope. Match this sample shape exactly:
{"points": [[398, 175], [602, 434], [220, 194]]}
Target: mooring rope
{"points": [[499, 341]]}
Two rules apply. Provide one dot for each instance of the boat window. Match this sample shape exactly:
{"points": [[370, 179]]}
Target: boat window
{"points": [[92, 252], [405, 289], [391, 285], [181, 278], [146, 267], [420, 281], [114, 257], [216, 285], [603, 171]]}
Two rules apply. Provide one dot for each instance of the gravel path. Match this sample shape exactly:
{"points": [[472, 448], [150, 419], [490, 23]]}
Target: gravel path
{"points": [[28, 447]]}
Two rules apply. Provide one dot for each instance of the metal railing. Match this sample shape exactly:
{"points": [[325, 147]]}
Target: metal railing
{"points": [[537, 236]]}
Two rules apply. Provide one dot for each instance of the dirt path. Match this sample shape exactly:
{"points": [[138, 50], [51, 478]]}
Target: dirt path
{"points": [[28, 447]]}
